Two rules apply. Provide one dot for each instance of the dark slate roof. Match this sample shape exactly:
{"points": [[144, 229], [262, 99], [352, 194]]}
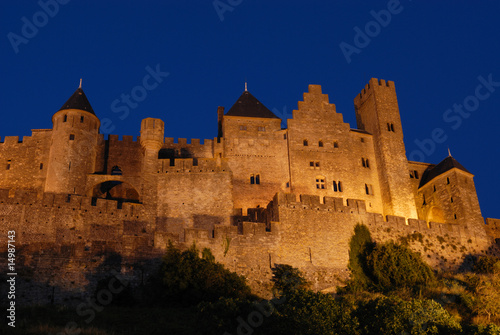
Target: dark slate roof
{"points": [[446, 164], [78, 101], [247, 105]]}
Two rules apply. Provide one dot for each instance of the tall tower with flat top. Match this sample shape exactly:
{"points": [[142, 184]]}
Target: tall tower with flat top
{"points": [[377, 112]]}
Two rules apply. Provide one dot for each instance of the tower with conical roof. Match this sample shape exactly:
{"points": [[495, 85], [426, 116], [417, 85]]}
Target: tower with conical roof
{"points": [[447, 195], [73, 146]]}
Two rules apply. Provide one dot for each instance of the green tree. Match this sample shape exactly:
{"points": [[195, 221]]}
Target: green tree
{"points": [[360, 244], [306, 313], [287, 279], [392, 266], [186, 278], [393, 316]]}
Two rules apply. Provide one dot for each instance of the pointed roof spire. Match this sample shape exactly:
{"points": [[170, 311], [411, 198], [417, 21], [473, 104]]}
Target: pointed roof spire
{"points": [[78, 101], [246, 89], [247, 105], [449, 152], [445, 165]]}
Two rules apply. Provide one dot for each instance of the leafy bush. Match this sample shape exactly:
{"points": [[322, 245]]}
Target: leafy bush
{"points": [[305, 312], [395, 316], [188, 279], [392, 266], [359, 245], [487, 264], [287, 279]]}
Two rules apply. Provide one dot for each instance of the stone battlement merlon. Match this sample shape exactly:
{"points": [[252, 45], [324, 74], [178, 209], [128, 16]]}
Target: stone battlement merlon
{"points": [[316, 202], [125, 139], [170, 141], [374, 82], [193, 165], [73, 201]]}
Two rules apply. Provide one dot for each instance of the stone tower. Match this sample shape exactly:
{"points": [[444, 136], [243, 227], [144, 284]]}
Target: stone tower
{"points": [[377, 112], [447, 195], [152, 132], [72, 153]]}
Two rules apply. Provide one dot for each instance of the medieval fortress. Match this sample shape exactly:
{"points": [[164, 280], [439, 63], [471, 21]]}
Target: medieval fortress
{"points": [[256, 195]]}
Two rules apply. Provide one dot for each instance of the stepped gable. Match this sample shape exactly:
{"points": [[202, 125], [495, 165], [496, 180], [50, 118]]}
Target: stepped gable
{"points": [[446, 164], [248, 106], [78, 101]]}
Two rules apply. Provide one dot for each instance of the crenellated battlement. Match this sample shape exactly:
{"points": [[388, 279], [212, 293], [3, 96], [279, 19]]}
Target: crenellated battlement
{"points": [[374, 83], [124, 139], [171, 142], [193, 165], [69, 201], [315, 202]]}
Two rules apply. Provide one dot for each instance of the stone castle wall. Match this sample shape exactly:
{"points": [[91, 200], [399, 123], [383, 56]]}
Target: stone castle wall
{"points": [[71, 242]]}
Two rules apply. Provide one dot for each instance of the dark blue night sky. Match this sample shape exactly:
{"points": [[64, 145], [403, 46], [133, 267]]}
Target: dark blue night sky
{"points": [[179, 60]]}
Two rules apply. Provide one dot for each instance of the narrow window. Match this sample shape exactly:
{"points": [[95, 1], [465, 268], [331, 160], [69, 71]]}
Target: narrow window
{"points": [[71, 137], [448, 180], [287, 184], [367, 163], [362, 140], [257, 179], [8, 165], [335, 189], [81, 119], [311, 164], [305, 143], [434, 188], [388, 127], [335, 144], [284, 136], [41, 166], [411, 174], [65, 118], [451, 199], [369, 189], [317, 164], [252, 179], [340, 186], [424, 203], [243, 127], [392, 127], [363, 162], [320, 144], [416, 174], [455, 216]]}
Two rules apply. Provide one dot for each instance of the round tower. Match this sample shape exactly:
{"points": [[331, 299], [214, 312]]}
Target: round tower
{"points": [[152, 131], [72, 154]]}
